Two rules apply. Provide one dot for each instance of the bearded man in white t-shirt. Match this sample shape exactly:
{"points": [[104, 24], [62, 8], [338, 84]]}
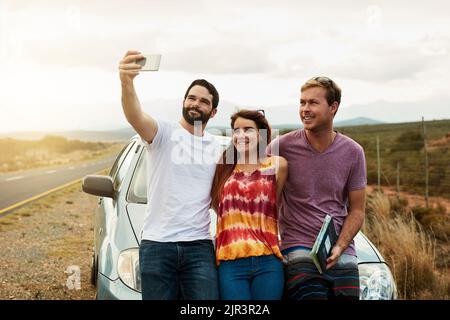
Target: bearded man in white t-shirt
{"points": [[176, 255]]}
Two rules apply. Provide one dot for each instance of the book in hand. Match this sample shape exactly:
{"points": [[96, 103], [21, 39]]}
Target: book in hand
{"points": [[325, 241]]}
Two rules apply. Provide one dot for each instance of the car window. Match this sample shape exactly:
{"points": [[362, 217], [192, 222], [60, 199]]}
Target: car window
{"points": [[124, 167], [119, 160], [138, 187]]}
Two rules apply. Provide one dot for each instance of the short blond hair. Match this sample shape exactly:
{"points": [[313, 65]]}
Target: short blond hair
{"points": [[333, 92]]}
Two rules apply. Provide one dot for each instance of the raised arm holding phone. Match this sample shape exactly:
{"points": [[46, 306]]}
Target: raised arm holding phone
{"points": [[176, 254], [144, 125]]}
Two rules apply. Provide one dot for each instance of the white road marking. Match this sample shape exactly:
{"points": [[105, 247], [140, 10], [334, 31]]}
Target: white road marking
{"points": [[51, 171], [71, 168], [14, 178]]}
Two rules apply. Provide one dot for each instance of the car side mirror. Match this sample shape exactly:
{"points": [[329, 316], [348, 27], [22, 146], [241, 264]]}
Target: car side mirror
{"points": [[97, 185]]}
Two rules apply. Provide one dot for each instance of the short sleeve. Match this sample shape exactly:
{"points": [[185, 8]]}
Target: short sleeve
{"points": [[358, 173], [162, 134], [273, 149]]}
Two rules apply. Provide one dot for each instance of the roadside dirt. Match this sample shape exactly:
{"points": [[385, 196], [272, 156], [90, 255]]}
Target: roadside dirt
{"points": [[41, 241], [413, 199]]}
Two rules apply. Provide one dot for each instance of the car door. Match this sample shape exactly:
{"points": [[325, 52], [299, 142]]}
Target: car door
{"points": [[106, 206]]}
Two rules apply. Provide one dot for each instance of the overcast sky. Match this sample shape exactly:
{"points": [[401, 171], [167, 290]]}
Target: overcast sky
{"points": [[59, 59]]}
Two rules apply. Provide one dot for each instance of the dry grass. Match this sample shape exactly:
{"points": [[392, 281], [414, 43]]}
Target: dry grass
{"points": [[18, 155], [408, 248]]}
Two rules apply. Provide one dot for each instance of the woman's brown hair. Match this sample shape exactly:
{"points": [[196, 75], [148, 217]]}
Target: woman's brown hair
{"points": [[228, 162]]}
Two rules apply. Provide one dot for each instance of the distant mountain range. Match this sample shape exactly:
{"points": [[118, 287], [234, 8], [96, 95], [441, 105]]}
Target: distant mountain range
{"points": [[360, 121], [284, 116], [113, 135], [126, 133]]}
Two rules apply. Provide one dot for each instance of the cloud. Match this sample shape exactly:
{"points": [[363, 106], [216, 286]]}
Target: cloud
{"points": [[101, 43], [279, 40], [380, 63], [257, 53], [227, 58], [362, 55], [430, 109]]}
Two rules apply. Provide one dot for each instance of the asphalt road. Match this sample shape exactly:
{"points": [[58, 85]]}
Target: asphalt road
{"points": [[18, 187]]}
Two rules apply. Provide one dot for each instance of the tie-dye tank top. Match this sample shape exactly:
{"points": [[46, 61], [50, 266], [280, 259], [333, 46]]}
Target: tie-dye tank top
{"points": [[247, 224]]}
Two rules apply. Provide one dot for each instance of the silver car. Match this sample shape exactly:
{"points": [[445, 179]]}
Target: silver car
{"points": [[119, 217]]}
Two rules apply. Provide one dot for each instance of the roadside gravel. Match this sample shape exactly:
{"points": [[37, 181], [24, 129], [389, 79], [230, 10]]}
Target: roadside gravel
{"points": [[40, 242]]}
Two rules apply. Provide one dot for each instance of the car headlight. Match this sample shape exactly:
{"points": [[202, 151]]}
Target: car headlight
{"points": [[128, 268], [376, 282]]}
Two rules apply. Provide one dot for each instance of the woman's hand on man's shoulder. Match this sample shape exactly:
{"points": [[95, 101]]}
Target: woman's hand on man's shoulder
{"points": [[279, 162]]}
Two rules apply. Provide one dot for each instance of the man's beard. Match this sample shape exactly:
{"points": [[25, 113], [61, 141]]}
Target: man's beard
{"points": [[203, 117]]}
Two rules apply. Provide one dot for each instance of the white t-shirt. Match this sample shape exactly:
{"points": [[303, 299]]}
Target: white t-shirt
{"points": [[180, 168]]}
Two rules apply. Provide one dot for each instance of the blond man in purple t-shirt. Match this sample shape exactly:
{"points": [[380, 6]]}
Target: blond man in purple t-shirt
{"points": [[327, 175]]}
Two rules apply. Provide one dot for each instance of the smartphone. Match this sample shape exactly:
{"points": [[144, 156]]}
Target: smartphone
{"points": [[150, 62]]}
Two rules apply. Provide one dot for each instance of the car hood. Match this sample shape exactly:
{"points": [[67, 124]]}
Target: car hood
{"points": [[365, 250]]}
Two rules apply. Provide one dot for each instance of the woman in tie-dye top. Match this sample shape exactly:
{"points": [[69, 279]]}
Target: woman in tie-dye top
{"points": [[244, 195]]}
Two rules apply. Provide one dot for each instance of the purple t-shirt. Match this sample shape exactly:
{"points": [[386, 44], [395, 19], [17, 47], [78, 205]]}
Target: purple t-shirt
{"points": [[318, 184]]}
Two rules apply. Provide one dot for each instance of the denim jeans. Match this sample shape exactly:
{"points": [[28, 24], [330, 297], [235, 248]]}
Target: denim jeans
{"points": [[253, 278], [178, 270]]}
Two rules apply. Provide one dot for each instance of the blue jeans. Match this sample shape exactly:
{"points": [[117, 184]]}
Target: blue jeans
{"points": [[253, 278], [178, 270]]}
